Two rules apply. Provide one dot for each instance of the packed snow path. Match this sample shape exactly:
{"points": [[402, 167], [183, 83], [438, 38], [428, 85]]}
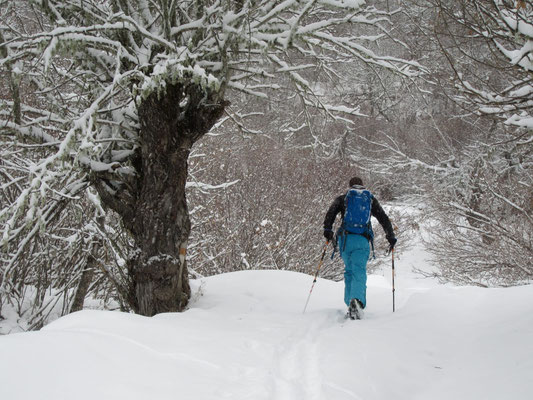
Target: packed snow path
{"points": [[246, 338]]}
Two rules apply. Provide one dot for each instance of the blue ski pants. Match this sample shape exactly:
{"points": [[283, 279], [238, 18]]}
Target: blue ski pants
{"points": [[354, 250]]}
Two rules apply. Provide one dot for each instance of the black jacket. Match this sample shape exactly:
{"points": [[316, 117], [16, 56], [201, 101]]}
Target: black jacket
{"points": [[376, 211]]}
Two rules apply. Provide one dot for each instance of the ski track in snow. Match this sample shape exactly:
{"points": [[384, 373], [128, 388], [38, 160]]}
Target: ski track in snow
{"points": [[298, 365], [290, 364]]}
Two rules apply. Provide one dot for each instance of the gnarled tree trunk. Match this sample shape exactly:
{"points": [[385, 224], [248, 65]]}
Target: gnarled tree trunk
{"points": [[155, 209]]}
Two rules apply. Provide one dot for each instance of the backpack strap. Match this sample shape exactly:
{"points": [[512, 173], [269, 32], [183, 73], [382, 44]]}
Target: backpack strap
{"points": [[342, 232]]}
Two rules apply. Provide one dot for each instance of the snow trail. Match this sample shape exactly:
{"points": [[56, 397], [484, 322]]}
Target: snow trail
{"points": [[247, 338]]}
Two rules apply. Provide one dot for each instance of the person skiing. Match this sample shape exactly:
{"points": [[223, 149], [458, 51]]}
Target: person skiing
{"points": [[354, 238]]}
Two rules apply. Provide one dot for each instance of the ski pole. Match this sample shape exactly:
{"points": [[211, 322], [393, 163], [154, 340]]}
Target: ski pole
{"points": [[316, 274], [393, 289]]}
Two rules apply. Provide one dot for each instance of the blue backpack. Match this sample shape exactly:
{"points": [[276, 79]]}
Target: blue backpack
{"points": [[358, 208]]}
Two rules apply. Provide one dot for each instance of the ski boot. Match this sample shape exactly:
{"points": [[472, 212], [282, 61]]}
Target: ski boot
{"points": [[355, 310]]}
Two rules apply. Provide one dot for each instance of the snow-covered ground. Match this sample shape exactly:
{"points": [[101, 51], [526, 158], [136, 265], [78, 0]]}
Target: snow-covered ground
{"points": [[246, 338]]}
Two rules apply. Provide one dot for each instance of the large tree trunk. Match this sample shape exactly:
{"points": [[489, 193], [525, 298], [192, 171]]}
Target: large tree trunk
{"points": [[154, 208], [84, 284]]}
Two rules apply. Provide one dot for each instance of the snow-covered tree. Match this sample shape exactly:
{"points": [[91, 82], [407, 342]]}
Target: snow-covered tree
{"points": [[503, 31], [463, 141], [485, 205], [113, 94]]}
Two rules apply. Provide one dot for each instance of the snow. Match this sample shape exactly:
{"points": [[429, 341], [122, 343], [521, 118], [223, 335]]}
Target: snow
{"points": [[526, 122], [207, 186], [245, 337]]}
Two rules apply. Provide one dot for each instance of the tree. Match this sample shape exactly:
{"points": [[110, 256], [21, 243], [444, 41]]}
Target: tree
{"points": [[463, 141], [488, 212], [504, 30], [476, 173], [116, 93]]}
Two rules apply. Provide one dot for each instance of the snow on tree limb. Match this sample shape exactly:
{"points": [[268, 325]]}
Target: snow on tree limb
{"points": [[507, 27]]}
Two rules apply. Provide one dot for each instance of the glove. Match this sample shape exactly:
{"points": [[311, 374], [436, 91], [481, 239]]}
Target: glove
{"points": [[328, 234], [392, 242]]}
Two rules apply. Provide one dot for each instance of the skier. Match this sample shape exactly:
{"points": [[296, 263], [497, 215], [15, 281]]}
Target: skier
{"points": [[354, 238]]}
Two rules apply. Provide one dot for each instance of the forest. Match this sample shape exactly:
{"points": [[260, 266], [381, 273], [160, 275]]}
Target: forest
{"points": [[145, 143]]}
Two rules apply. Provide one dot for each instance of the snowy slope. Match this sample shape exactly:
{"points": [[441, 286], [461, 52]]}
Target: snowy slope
{"points": [[246, 338]]}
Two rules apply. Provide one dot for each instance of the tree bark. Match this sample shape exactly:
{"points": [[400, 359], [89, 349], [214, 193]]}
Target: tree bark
{"points": [[84, 284], [154, 208]]}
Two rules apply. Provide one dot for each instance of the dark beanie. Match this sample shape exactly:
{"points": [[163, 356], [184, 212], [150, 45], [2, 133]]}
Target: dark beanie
{"points": [[356, 181]]}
